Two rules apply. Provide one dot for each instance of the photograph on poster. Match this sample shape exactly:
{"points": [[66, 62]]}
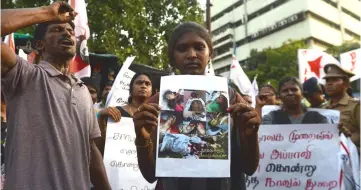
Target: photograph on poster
{"points": [[217, 101], [194, 133], [195, 107], [193, 127], [172, 100]]}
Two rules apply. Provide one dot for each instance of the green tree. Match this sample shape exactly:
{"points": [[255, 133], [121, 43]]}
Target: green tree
{"points": [[10, 4], [138, 27], [130, 27], [345, 47], [271, 64]]}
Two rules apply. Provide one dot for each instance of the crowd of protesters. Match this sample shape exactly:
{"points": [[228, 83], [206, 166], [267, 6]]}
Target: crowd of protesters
{"points": [[55, 126]]}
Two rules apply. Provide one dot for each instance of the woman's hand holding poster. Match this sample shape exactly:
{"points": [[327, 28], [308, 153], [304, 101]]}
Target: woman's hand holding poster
{"points": [[120, 157], [193, 134]]}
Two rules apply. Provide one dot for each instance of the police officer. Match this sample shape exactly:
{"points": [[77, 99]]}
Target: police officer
{"points": [[337, 84]]}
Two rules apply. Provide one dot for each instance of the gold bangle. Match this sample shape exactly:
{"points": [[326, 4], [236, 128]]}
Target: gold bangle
{"points": [[149, 142]]}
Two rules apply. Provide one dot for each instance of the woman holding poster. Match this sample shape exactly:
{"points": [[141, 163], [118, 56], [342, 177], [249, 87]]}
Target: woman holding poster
{"points": [[189, 51], [140, 89]]}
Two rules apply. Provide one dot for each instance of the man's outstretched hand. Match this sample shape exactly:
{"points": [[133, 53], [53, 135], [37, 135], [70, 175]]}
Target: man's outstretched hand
{"points": [[62, 12]]}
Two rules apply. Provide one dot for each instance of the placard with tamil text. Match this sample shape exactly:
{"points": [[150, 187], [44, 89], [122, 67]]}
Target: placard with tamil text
{"points": [[297, 157]]}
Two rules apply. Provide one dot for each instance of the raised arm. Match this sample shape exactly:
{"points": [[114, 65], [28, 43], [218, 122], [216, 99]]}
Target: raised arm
{"points": [[146, 123], [8, 58], [246, 123], [15, 19]]}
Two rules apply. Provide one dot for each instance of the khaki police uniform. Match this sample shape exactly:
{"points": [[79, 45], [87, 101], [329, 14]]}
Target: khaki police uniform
{"points": [[349, 107]]}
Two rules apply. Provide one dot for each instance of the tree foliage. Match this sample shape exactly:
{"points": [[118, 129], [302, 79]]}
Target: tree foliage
{"points": [[345, 47], [138, 27], [271, 64], [10, 4], [129, 27]]}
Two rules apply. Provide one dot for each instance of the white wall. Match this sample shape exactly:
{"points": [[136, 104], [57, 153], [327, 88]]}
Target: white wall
{"points": [[220, 5], [277, 14], [331, 13], [222, 63], [287, 9], [310, 27], [351, 5], [326, 33]]}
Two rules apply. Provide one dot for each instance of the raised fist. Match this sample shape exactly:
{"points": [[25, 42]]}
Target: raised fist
{"points": [[62, 12]]}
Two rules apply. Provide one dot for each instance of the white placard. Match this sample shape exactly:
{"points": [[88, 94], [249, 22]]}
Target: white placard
{"points": [[297, 157], [121, 93], [120, 157], [118, 95], [268, 108], [193, 136], [333, 116], [352, 61]]}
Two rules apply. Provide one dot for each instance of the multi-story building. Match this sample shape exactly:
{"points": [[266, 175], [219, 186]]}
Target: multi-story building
{"points": [[259, 24]]}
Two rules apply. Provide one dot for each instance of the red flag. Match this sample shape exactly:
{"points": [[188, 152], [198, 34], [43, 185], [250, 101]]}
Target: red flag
{"points": [[311, 63], [80, 64], [352, 61]]}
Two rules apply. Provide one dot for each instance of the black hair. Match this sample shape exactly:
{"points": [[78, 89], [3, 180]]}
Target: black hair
{"points": [[187, 27], [109, 83], [190, 107], [171, 103], [289, 79], [312, 86], [194, 95], [40, 30], [269, 86], [132, 83], [224, 104], [166, 93], [89, 82]]}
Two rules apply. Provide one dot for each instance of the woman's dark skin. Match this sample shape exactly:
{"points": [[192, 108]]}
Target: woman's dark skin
{"points": [[191, 56], [291, 96]]}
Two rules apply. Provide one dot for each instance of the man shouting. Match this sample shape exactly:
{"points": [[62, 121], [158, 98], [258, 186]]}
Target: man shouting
{"points": [[51, 121]]}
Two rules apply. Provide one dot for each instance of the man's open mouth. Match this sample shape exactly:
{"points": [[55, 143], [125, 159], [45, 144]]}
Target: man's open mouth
{"points": [[67, 42]]}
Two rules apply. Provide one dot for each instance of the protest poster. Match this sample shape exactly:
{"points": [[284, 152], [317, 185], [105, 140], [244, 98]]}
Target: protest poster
{"points": [[120, 157], [333, 116], [349, 164], [351, 61], [268, 108], [193, 136], [297, 157], [118, 95]]}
